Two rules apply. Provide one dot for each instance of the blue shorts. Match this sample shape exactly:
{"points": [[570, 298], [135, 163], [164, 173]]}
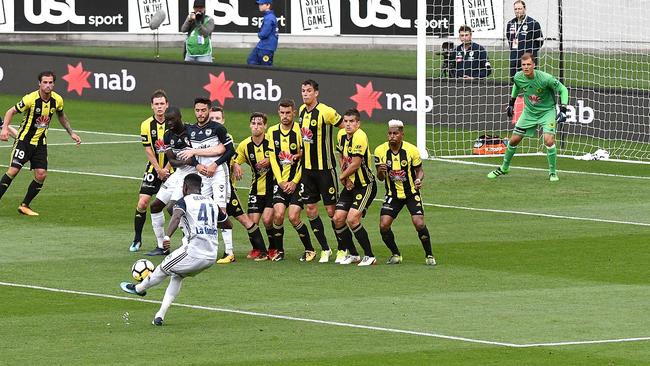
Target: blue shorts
{"points": [[260, 57]]}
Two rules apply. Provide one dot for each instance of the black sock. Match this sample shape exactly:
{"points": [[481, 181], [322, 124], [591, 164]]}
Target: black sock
{"points": [[269, 235], [303, 233], [256, 238], [344, 235], [138, 224], [5, 182], [362, 237], [33, 189], [389, 239], [278, 237], [423, 234], [319, 232]]}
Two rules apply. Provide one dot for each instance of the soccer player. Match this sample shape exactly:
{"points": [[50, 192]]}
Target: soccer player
{"points": [[176, 139], [199, 215], [31, 142], [204, 136], [12, 131], [359, 189], [286, 152], [157, 170], [539, 90], [255, 151], [400, 167], [317, 122], [234, 209]]}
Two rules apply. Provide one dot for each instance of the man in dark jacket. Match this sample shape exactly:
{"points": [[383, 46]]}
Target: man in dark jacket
{"points": [[470, 58], [524, 35]]}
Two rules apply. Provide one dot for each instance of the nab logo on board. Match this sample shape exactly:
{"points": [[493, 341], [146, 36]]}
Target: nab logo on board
{"points": [[79, 79], [368, 100], [221, 89]]}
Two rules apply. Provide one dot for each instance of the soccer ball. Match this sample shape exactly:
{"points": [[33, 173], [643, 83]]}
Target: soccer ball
{"points": [[141, 269]]}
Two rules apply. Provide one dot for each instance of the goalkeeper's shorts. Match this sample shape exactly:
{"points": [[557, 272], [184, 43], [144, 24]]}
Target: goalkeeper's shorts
{"points": [[527, 124]]}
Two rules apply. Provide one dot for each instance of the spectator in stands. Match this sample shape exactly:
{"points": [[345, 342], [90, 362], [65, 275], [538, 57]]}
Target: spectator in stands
{"points": [[471, 59], [199, 27], [262, 54], [524, 35]]}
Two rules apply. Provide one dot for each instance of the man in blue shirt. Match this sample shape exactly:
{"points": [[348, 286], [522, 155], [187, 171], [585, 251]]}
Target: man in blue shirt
{"points": [[524, 35], [262, 54], [471, 59]]}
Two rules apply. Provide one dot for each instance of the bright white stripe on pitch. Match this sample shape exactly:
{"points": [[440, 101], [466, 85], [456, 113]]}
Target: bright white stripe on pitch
{"points": [[85, 143], [337, 324], [536, 214]]}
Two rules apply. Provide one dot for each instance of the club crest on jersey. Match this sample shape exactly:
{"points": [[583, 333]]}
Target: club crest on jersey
{"points": [[307, 135], [193, 134], [534, 99], [42, 121], [404, 163], [154, 133], [293, 146], [314, 122], [389, 163], [208, 132]]}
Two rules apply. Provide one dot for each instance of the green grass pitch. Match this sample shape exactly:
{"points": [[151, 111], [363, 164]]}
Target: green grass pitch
{"points": [[526, 268]]}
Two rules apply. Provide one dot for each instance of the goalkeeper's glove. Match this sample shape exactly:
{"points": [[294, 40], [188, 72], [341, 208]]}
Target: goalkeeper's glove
{"points": [[510, 110], [561, 117]]}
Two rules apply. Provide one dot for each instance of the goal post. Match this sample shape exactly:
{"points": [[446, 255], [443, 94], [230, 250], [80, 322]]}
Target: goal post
{"points": [[599, 50]]}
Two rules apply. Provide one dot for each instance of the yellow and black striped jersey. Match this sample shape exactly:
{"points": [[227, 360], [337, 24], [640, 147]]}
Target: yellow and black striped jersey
{"points": [[285, 145], [151, 131], [38, 115], [316, 127], [230, 164], [356, 146], [401, 168], [248, 152]]}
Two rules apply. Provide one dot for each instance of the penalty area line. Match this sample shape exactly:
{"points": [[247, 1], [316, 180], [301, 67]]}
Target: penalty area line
{"points": [[331, 323]]}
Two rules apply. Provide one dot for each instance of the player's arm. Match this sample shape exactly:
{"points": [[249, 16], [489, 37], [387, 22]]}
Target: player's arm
{"points": [[151, 156], [564, 98], [177, 215], [7, 130], [510, 110], [177, 162], [381, 167], [240, 158], [419, 176], [484, 62], [352, 167], [65, 123]]}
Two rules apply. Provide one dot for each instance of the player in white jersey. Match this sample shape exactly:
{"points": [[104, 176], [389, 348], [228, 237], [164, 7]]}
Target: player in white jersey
{"points": [[198, 216], [176, 139]]}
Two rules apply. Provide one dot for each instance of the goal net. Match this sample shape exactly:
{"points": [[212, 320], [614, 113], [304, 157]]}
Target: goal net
{"points": [[599, 49]]}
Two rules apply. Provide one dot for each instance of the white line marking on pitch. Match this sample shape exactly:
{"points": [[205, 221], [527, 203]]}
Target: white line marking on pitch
{"points": [[540, 169], [552, 216], [325, 322], [84, 143]]}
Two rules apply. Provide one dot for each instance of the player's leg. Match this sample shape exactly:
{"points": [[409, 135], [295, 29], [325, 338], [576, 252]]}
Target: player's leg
{"points": [[310, 195], [344, 237], [549, 125], [362, 199], [387, 236], [158, 221], [34, 189], [173, 289], [276, 232], [139, 219], [328, 189], [234, 209], [511, 149], [416, 209], [19, 157], [303, 233]]}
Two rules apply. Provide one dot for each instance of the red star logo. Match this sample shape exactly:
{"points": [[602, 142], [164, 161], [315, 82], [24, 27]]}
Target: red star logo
{"points": [[219, 88], [77, 78], [367, 99]]}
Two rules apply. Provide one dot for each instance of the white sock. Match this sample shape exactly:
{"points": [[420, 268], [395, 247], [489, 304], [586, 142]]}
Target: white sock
{"points": [[152, 280], [172, 291], [226, 234], [158, 224]]}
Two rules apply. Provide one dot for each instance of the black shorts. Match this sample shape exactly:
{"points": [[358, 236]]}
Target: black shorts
{"points": [[320, 183], [233, 208], [257, 204], [24, 152], [358, 198], [392, 206], [279, 196], [150, 183]]}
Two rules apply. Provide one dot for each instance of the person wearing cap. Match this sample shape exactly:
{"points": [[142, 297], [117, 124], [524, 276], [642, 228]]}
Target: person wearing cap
{"points": [[199, 27], [262, 54]]}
